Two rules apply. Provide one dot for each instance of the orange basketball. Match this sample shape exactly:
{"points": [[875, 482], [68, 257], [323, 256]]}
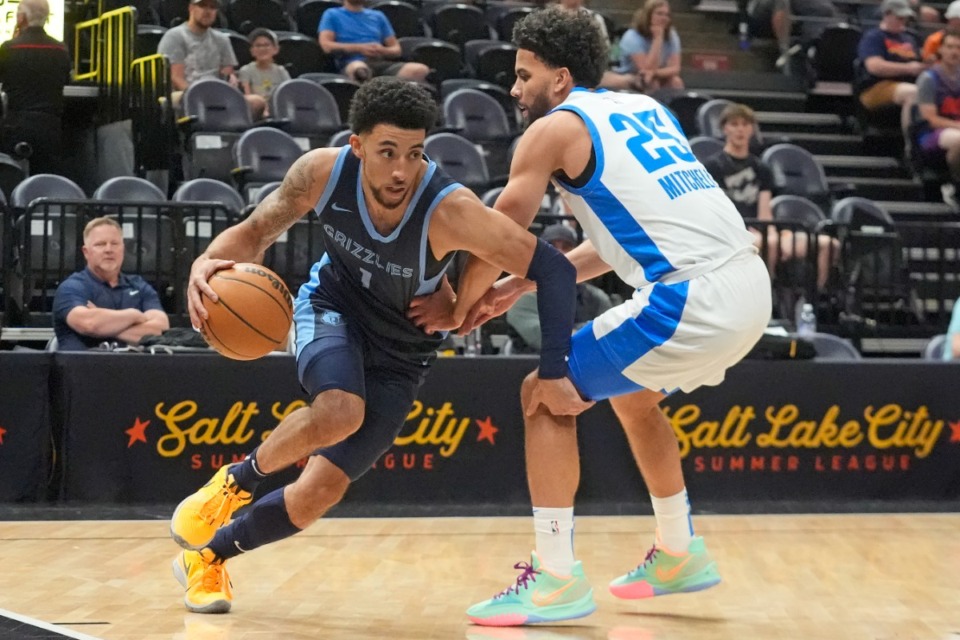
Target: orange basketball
{"points": [[253, 315]]}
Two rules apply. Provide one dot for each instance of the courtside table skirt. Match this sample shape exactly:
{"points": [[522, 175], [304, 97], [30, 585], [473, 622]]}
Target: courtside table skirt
{"points": [[138, 428]]}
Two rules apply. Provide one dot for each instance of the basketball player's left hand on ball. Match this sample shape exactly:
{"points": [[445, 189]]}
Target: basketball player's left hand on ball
{"points": [[437, 311], [559, 397]]}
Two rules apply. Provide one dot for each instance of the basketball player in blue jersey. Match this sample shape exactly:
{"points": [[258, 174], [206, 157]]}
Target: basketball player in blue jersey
{"points": [[654, 215], [392, 222]]}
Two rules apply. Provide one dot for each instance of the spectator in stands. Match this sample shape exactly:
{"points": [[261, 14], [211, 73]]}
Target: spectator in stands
{"points": [[749, 184], [649, 52], [33, 70], [577, 5], [775, 18], [365, 44], [196, 50], [101, 304], [890, 61], [258, 78], [951, 348], [523, 319], [931, 46], [938, 101]]}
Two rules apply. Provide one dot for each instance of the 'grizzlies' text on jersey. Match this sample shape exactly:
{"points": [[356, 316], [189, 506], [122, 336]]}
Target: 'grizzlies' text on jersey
{"points": [[651, 209], [371, 278]]}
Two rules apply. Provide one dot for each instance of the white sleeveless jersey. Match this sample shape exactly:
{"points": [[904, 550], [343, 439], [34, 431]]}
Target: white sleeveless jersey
{"points": [[651, 209]]}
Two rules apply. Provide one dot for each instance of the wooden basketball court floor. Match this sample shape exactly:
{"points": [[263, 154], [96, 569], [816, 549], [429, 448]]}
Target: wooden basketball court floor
{"points": [[879, 577]]}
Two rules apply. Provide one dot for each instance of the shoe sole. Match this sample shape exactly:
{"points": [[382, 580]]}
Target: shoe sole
{"points": [[643, 590], [220, 606], [518, 619]]}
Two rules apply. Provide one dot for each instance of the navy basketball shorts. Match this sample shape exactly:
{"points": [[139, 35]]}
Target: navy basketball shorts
{"points": [[340, 358]]}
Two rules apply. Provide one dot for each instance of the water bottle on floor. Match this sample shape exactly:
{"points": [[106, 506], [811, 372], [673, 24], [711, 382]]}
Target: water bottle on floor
{"points": [[807, 323], [743, 30], [473, 343]]}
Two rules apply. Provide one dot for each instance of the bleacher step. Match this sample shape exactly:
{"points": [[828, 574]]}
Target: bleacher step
{"points": [[819, 143], [717, 6], [801, 122], [915, 211], [890, 189], [747, 83], [862, 166], [759, 100]]}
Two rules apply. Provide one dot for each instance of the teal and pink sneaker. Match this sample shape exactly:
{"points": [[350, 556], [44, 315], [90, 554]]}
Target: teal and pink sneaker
{"points": [[664, 572], [538, 596]]}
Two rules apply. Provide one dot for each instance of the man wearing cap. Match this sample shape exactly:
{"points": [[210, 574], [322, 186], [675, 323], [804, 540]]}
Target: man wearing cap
{"points": [[932, 44], [195, 50], [890, 61], [523, 319]]}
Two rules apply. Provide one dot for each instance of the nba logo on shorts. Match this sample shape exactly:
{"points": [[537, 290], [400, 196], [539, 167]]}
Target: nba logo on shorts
{"points": [[554, 527], [332, 318]]}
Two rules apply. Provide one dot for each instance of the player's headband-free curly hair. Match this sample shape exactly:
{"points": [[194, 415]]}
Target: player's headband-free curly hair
{"points": [[389, 100], [565, 39]]}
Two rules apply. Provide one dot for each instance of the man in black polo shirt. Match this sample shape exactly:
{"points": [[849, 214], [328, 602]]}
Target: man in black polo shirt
{"points": [[33, 69], [101, 304]]}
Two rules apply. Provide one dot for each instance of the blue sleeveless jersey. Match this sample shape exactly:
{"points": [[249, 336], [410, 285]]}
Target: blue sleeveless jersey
{"points": [[370, 279]]}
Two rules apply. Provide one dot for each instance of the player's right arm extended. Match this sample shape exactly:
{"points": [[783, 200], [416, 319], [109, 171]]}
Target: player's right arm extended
{"points": [[520, 199], [245, 241]]}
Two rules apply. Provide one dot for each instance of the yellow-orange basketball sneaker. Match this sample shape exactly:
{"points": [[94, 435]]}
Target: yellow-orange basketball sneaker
{"points": [[206, 581], [198, 517]]}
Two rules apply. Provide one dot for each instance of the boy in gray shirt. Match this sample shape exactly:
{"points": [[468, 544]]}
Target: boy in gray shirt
{"points": [[259, 78]]}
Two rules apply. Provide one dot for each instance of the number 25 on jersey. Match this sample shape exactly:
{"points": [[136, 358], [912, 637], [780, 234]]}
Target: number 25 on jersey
{"points": [[655, 146]]}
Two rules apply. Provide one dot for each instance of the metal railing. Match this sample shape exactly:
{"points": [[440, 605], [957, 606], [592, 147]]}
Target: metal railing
{"points": [[103, 53], [154, 131], [161, 240]]}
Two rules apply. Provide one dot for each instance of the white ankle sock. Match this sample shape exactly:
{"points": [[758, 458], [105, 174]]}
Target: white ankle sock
{"points": [[554, 528], [673, 521]]}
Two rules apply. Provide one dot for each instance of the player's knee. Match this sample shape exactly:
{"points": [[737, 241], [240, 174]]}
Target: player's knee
{"points": [[334, 415], [414, 71], [326, 490]]}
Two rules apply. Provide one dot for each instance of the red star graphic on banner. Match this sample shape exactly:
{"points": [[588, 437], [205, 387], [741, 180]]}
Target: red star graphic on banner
{"points": [[487, 430], [955, 431], [2, 431], [137, 432]]}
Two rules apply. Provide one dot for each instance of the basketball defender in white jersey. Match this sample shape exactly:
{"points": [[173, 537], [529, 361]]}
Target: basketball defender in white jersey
{"points": [[654, 215]]}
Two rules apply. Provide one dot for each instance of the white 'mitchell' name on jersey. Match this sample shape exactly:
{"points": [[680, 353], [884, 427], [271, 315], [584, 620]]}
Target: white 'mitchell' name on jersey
{"points": [[651, 209]]}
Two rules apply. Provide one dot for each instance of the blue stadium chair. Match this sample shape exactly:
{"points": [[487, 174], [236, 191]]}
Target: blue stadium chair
{"points": [[831, 347], [44, 185], [705, 147], [404, 18], [935, 348], [263, 155], [340, 138], [129, 188], [308, 109], [207, 190], [461, 160], [460, 23], [215, 114]]}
